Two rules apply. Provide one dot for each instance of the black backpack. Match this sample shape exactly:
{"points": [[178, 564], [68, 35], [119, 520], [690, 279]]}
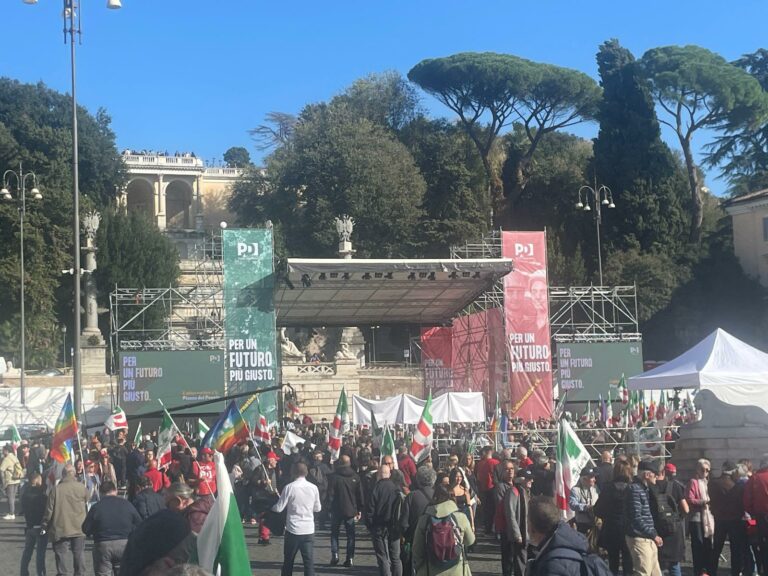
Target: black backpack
{"points": [[591, 564], [667, 515], [395, 520]]}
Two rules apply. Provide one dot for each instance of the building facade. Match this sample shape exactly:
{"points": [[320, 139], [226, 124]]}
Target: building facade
{"points": [[179, 193], [750, 232]]}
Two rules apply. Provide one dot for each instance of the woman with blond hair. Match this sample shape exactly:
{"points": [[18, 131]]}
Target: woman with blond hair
{"points": [[701, 522]]}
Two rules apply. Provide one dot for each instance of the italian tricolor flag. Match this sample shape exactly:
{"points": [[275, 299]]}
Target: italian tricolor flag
{"points": [[571, 459], [165, 438], [337, 427], [422, 438], [262, 429], [221, 547]]}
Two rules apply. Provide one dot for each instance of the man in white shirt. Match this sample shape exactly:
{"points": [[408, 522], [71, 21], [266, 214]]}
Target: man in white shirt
{"points": [[301, 500]]}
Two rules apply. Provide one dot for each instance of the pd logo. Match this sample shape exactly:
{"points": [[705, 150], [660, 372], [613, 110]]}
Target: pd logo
{"points": [[523, 249], [244, 249]]}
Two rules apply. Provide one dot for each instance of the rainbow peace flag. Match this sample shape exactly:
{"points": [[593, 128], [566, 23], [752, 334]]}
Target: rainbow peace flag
{"points": [[64, 434], [228, 430]]}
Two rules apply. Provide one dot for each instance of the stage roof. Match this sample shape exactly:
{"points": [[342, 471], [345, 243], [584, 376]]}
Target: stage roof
{"points": [[360, 292]]}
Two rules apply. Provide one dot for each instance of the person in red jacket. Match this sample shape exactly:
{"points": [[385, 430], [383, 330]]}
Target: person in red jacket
{"points": [[204, 473], [756, 504], [406, 465], [158, 479], [485, 484]]}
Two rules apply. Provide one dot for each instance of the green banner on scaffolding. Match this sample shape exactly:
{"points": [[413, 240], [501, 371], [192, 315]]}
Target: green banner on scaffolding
{"points": [[249, 321]]}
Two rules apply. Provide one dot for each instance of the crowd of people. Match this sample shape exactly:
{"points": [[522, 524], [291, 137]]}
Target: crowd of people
{"points": [[423, 518]]}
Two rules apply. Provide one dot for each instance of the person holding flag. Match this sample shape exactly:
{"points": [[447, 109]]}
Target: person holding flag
{"points": [[422, 437], [64, 434], [571, 457], [117, 420]]}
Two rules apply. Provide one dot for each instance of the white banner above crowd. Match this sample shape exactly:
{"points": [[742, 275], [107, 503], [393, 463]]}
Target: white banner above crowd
{"points": [[406, 409], [42, 405]]}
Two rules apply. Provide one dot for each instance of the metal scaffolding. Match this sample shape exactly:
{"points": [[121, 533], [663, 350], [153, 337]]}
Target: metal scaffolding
{"points": [[593, 314], [488, 246]]}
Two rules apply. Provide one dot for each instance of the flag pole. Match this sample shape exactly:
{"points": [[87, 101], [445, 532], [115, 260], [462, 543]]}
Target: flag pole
{"points": [[80, 447]]}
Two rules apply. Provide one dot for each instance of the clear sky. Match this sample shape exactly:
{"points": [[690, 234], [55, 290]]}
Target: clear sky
{"points": [[195, 75]]}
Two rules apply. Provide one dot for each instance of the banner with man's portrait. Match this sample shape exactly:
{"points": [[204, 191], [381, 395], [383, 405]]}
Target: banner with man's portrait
{"points": [[526, 311]]}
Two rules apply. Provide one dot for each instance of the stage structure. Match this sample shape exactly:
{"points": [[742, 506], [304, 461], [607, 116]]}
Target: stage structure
{"points": [[474, 353]]}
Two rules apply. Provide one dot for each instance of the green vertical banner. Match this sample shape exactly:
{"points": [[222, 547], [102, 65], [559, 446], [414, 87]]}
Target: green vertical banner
{"points": [[249, 321]]}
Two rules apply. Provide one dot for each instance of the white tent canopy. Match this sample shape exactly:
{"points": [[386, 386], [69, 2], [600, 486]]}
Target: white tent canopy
{"points": [[735, 372], [406, 409]]}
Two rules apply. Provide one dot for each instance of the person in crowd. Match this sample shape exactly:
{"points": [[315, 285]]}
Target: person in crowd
{"points": [[33, 502], [543, 477], [148, 502], [346, 501], [63, 521], [610, 508], [485, 484], [159, 480], [756, 505], [560, 547], [513, 537], [119, 454], [265, 482], [421, 495], [319, 472], [135, 466], [673, 551], [643, 540], [105, 468], [92, 482], [301, 500], [727, 505], [701, 522], [442, 512], [109, 522], [461, 495], [11, 474], [582, 500], [604, 470], [406, 464], [378, 518], [160, 544], [523, 461], [204, 475]]}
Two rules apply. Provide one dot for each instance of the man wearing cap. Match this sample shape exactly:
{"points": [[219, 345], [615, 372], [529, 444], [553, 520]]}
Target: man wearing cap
{"points": [[204, 475], [582, 500], [726, 501], [265, 479], [673, 551], [642, 539]]}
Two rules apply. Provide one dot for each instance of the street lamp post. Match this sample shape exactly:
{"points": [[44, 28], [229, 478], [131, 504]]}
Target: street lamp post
{"points": [[5, 194], [601, 196], [72, 29]]}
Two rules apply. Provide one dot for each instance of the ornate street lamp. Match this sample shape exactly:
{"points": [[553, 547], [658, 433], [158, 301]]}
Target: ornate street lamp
{"points": [[601, 196]]}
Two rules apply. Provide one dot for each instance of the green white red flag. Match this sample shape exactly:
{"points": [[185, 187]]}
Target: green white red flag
{"points": [[262, 429], [137, 436], [422, 437], [571, 459], [116, 420], [165, 437], [623, 391], [388, 447], [221, 547], [15, 437], [337, 426]]}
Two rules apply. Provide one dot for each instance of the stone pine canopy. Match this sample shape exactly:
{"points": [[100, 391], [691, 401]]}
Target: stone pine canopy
{"points": [[338, 292]]}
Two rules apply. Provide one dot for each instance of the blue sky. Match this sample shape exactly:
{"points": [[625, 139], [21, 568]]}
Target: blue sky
{"points": [[196, 75]]}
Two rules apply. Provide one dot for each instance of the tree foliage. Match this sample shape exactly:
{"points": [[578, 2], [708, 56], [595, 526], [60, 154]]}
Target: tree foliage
{"points": [[647, 181], [237, 157], [697, 89], [487, 91]]}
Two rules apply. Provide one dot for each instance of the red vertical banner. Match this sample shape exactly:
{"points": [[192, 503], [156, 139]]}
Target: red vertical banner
{"points": [[437, 359], [526, 315]]}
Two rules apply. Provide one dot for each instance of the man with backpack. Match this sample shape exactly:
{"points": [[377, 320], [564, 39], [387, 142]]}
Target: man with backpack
{"points": [[380, 510], [441, 538], [11, 473], [346, 498], [671, 507]]}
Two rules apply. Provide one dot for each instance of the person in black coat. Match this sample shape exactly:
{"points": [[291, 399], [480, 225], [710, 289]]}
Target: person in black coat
{"points": [[610, 508], [421, 495], [33, 502], [345, 499], [378, 517], [148, 502], [561, 548]]}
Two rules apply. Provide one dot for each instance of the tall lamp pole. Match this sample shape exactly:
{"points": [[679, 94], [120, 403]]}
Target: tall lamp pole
{"points": [[72, 29], [601, 196], [5, 194]]}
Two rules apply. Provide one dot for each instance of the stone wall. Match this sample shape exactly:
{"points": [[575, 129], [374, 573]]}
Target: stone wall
{"points": [[380, 383]]}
